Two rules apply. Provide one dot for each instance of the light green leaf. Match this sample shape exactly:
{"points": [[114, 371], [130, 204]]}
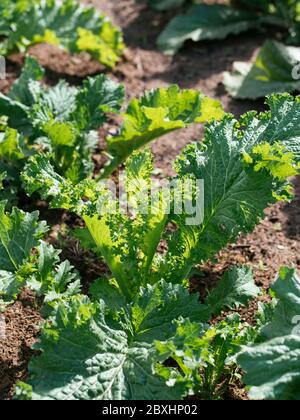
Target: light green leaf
{"points": [[157, 113], [51, 278], [103, 217], [203, 354], [19, 235], [105, 46], [12, 147]]}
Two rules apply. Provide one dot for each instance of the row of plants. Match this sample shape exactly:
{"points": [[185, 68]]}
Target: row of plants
{"points": [[63, 23], [276, 67], [64, 121], [139, 333]]}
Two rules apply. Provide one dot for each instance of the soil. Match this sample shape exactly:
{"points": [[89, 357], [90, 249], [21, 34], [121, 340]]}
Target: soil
{"points": [[22, 328], [275, 242]]}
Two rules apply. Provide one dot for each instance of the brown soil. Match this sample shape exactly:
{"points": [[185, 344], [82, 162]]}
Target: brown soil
{"points": [[22, 327], [275, 242]]}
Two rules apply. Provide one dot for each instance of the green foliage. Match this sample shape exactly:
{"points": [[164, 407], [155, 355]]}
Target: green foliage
{"points": [[157, 113], [26, 261], [19, 233], [13, 152], [215, 21], [61, 120], [124, 342], [203, 356], [235, 290], [278, 346], [274, 70], [205, 22], [202, 353], [114, 344], [232, 204], [110, 354], [65, 23], [274, 159]]}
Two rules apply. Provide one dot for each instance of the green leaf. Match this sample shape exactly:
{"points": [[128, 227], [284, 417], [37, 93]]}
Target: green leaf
{"points": [[19, 233], [278, 125], [189, 348], [85, 107], [51, 278], [14, 150], [205, 22], [274, 159], [273, 369], [108, 291], [217, 21], [12, 147], [127, 259], [106, 46], [235, 195], [203, 354], [25, 89], [25, 261], [53, 103], [236, 288], [157, 113], [9, 287], [97, 97], [236, 192], [85, 238], [104, 358], [279, 347], [274, 70]]}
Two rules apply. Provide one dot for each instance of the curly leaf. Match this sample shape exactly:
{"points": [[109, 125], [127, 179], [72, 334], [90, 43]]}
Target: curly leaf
{"points": [[67, 24], [88, 354], [235, 198], [157, 113], [236, 288], [19, 233]]}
